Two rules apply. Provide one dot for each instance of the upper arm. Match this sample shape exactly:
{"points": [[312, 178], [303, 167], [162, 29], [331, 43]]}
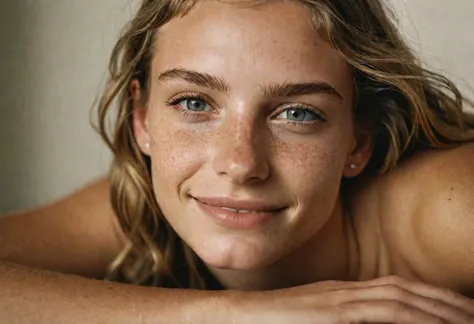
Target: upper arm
{"points": [[78, 235], [442, 220]]}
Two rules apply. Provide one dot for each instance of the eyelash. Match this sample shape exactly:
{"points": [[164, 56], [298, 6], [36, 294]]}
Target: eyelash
{"points": [[320, 116], [174, 103]]}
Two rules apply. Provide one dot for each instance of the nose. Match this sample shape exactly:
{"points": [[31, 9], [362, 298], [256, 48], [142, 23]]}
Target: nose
{"points": [[240, 152]]}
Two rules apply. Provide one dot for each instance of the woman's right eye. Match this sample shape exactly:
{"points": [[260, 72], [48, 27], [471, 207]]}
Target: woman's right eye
{"points": [[194, 104]]}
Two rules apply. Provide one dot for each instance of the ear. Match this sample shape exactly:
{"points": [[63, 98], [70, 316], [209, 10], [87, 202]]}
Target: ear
{"points": [[140, 118], [359, 156]]}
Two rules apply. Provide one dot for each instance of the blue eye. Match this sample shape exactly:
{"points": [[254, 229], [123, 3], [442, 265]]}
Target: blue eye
{"points": [[194, 104], [299, 115]]}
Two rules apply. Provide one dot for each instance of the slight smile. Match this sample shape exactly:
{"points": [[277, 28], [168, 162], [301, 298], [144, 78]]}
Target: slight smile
{"points": [[238, 214]]}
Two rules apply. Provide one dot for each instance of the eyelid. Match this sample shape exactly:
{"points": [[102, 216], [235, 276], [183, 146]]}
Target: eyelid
{"points": [[309, 108], [175, 99]]}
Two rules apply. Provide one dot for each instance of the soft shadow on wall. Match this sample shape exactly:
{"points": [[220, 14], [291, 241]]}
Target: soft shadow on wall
{"points": [[53, 59]]}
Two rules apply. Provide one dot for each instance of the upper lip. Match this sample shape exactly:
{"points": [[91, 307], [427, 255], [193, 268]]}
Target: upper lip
{"points": [[226, 202]]}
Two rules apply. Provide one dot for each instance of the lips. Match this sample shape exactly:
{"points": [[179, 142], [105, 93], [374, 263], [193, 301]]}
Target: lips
{"points": [[240, 206], [241, 211], [239, 214]]}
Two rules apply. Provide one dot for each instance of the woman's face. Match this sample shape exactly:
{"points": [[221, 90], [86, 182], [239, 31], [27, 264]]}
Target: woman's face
{"points": [[250, 125]]}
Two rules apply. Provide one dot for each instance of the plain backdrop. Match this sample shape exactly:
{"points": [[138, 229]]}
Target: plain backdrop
{"points": [[53, 59]]}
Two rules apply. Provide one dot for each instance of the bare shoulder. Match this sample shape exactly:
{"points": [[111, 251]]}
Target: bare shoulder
{"points": [[78, 234], [427, 216]]}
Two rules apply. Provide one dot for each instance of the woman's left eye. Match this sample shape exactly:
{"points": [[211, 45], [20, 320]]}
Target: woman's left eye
{"points": [[194, 104], [299, 115]]}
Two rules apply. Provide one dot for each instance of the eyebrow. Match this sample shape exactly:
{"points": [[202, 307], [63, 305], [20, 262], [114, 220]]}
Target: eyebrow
{"points": [[197, 78], [300, 89], [274, 90]]}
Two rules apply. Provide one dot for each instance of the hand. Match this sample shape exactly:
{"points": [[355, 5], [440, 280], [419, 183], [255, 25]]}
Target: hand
{"points": [[384, 300]]}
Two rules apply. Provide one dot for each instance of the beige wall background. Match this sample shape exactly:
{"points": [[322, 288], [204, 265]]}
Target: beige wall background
{"points": [[53, 57]]}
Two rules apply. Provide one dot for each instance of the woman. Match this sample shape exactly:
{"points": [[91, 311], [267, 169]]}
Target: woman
{"points": [[281, 159]]}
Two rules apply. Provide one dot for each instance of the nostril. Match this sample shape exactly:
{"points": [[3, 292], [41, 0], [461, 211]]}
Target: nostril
{"points": [[241, 167]]}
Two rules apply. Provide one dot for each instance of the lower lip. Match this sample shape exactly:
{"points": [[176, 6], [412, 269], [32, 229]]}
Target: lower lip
{"points": [[235, 220]]}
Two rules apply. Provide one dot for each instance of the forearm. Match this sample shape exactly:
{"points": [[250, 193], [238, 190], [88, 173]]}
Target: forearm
{"points": [[35, 296]]}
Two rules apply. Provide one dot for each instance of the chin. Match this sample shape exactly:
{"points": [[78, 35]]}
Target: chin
{"points": [[231, 254]]}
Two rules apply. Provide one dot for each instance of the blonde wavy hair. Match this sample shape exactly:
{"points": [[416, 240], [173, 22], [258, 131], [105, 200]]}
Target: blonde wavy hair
{"points": [[404, 106]]}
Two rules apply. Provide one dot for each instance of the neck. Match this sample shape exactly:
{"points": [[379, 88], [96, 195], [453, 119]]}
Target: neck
{"points": [[329, 255]]}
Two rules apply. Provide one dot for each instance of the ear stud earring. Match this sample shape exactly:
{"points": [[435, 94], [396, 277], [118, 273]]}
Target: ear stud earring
{"points": [[353, 166], [147, 145]]}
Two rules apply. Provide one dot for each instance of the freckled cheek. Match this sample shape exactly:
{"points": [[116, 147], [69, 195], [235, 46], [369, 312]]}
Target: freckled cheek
{"points": [[313, 170], [176, 153]]}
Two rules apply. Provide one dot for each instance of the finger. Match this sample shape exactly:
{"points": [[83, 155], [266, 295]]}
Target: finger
{"points": [[394, 293], [456, 300], [447, 296], [382, 311]]}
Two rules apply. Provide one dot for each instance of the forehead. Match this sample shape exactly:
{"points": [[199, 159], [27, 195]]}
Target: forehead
{"points": [[271, 42]]}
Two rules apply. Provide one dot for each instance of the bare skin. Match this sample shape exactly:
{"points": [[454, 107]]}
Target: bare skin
{"points": [[246, 144], [91, 208], [398, 223]]}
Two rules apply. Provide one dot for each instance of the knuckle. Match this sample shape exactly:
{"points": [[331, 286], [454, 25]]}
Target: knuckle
{"points": [[394, 280], [327, 284], [434, 303], [449, 293], [337, 296], [395, 292]]}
